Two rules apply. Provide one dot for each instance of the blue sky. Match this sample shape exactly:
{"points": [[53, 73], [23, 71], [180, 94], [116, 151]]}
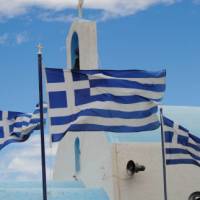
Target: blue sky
{"points": [[147, 34], [162, 36]]}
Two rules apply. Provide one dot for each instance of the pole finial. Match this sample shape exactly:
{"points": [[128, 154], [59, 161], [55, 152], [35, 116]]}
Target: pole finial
{"points": [[40, 47], [80, 8]]}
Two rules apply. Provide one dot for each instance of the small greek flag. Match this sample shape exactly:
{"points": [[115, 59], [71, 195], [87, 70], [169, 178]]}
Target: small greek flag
{"points": [[17, 126], [103, 100], [181, 147]]}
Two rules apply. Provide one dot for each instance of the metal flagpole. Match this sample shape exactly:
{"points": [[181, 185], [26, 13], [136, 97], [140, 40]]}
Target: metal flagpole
{"points": [[163, 155], [42, 122]]}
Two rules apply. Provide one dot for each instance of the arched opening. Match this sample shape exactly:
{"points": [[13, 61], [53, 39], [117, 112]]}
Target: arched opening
{"points": [[77, 152], [75, 59]]}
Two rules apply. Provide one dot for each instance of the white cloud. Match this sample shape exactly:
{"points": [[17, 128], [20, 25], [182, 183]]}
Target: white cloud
{"points": [[23, 161], [21, 38], [25, 165], [18, 38], [27, 168], [49, 17], [3, 38], [12, 8]]}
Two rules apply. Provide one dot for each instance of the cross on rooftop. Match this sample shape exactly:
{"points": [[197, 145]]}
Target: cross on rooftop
{"points": [[80, 8]]}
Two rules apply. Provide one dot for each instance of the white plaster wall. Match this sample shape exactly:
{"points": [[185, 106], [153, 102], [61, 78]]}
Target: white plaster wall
{"points": [[96, 161], [182, 179], [104, 165], [143, 185], [64, 168]]}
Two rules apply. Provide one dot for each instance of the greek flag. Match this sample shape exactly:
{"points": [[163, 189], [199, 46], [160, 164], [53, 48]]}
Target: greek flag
{"points": [[181, 147], [103, 100], [17, 126]]}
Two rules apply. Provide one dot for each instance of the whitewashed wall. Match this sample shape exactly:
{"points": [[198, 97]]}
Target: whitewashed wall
{"points": [[96, 161], [104, 165]]}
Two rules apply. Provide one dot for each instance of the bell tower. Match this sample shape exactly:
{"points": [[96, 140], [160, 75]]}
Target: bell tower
{"points": [[81, 44]]}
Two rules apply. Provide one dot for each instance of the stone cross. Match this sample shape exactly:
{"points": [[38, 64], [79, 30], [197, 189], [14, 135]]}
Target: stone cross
{"points": [[80, 8]]}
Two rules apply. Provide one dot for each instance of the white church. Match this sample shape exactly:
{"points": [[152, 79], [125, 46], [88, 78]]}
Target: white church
{"points": [[104, 160]]}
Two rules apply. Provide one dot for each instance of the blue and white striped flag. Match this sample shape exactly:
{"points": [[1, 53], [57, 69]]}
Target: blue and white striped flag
{"points": [[181, 147], [103, 100], [17, 126]]}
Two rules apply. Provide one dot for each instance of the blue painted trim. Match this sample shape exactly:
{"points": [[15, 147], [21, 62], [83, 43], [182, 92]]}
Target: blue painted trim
{"points": [[77, 152]]}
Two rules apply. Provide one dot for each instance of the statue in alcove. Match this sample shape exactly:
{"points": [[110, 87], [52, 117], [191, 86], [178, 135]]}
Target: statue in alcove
{"points": [[76, 66]]}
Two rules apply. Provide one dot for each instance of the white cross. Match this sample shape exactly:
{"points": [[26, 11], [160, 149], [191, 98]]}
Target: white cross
{"points": [[5, 124], [177, 132], [80, 8], [40, 47], [69, 86], [175, 135]]}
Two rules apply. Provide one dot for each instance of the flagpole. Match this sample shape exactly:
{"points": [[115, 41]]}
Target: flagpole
{"points": [[42, 122], [163, 155]]}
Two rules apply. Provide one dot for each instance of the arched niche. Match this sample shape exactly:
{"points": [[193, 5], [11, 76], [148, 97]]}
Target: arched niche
{"points": [[77, 152], [75, 60], [82, 35]]}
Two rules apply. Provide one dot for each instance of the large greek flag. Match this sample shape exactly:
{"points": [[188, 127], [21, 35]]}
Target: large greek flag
{"points": [[103, 100], [181, 147], [17, 126]]}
